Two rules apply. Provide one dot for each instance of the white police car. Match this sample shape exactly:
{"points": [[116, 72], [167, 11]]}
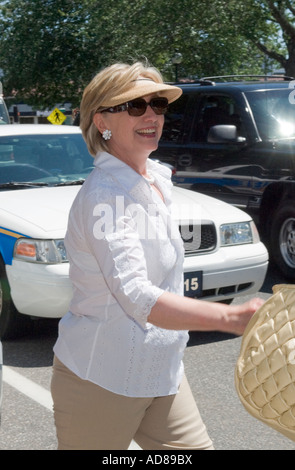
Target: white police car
{"points": [[42, 168]]}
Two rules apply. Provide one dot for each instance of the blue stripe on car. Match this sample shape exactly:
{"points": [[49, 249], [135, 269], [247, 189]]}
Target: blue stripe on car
{"points": [[7, 242]]}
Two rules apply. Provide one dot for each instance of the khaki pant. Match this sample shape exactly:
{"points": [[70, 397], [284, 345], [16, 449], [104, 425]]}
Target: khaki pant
{"points": [[88, 417]]}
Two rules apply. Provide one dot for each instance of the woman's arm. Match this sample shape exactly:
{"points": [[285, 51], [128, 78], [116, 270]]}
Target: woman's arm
{"points": [[174, 312]]}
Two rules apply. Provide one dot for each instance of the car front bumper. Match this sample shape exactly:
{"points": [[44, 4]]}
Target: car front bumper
{"points": [[46, 290], [40, 290], [230, 272]]}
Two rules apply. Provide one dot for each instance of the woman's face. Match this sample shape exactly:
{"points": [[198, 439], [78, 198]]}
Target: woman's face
{"points": [[133, 137]]}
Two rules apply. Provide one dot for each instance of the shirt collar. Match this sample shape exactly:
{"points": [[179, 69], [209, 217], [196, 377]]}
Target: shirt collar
{"points": [[128, 177]]}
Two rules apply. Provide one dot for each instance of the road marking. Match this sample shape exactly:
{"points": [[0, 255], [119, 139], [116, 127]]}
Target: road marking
{"points": [[28, 387], [35, 392]]}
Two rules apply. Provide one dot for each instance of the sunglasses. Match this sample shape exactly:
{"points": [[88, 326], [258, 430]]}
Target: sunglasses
{"points": [[139, 106]]}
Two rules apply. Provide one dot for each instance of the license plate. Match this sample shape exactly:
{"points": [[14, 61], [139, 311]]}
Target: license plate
{"points": [[193, 283]]}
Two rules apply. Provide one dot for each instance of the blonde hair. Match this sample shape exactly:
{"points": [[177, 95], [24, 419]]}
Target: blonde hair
{"points": [[107, 83]]}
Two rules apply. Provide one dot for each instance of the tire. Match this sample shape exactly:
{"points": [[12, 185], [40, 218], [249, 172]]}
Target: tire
{"points": [[12, 323], [282, 240]]}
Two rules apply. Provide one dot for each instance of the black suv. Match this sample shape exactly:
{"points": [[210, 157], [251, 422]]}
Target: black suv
{"points": [[235, 140]]}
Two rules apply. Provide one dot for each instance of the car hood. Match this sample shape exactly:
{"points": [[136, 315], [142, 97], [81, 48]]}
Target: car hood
{"points": [[43, 212], [206, 207], [37, 212]]}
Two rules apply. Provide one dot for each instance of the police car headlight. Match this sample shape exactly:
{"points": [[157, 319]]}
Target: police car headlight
{"points": [[238, 233], [40, 251]]}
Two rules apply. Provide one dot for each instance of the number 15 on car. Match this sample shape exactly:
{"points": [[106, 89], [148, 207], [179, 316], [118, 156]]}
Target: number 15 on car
{"points": [[193, 284]]}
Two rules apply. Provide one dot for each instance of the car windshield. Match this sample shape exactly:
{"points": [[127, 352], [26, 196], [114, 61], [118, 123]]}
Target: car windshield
{"points": [[47, 159], [274, 112]]}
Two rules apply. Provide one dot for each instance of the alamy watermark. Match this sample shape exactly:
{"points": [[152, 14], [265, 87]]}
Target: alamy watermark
{"points": [[149, 223]]}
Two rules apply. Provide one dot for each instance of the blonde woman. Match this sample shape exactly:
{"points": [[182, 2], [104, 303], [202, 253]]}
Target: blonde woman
{"points": [[118, 370]]}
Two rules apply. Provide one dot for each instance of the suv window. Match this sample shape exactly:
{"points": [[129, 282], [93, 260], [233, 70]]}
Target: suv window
{"points": [[216, 110], [273, 112], [174, 120]]}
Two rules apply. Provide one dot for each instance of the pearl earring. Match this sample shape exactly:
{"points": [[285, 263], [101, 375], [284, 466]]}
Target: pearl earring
{"points": [[107, 134]]}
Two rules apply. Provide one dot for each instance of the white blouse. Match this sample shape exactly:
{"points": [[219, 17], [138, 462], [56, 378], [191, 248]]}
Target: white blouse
{"points": [[124, 252]]}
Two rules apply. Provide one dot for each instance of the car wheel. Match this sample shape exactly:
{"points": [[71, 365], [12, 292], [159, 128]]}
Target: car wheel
{"points": [[12, 323], [282, 240]]}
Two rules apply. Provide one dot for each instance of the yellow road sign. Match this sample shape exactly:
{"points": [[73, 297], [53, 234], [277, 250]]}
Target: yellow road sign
{"points": [[56, 117]]}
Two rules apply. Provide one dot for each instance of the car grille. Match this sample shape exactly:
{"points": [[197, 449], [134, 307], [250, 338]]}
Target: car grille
{"points": [[198, 239]]}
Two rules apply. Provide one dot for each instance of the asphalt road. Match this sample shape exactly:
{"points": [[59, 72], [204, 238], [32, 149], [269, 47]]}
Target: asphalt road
{"points": [[27, 419]]}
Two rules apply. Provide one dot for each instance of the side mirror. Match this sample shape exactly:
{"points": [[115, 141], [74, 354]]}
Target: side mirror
{"points": [[224, 133]]}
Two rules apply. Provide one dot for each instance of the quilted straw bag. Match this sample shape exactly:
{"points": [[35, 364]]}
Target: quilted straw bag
{"points": [[265, 370]]}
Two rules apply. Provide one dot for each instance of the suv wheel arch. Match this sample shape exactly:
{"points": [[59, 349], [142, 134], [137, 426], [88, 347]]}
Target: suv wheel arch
{"points": [[282, 239]]}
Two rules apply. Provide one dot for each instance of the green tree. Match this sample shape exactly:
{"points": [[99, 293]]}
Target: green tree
{"points": [[270, 26], [282, 16], [200, 30], [50, 49], [45, 49]]}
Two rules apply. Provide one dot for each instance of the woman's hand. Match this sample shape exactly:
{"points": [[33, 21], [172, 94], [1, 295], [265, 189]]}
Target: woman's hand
{"points": [[175, 312], [238, 316]]}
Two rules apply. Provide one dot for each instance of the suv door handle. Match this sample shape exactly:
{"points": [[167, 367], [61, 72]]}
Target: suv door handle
{"points": [[185, 160]]}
